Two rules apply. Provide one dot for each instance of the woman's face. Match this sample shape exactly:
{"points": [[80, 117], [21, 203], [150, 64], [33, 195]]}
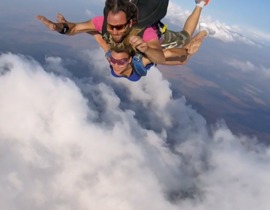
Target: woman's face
{"points": [[119, 61]]}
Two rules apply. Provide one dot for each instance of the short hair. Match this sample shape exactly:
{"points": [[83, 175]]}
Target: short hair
{"points": [[123, 48], [115, 6]]}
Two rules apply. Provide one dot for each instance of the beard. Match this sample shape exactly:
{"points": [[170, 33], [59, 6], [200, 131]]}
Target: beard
{"points": [[121, 37]]}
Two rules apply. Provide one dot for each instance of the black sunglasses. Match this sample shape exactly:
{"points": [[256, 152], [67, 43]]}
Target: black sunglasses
{"points": [[119, 28]]}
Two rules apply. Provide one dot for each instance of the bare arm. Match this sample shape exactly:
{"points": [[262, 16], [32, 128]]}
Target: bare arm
{"points": [[102, 43], [155, 52], [151, 49], [74, 28]]}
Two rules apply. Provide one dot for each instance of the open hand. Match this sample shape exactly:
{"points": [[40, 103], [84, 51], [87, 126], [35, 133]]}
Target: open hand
{"points": [[51, 25]]}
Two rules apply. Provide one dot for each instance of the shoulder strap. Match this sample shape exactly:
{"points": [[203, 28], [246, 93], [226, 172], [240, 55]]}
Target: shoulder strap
{"points": [[138, 66]]}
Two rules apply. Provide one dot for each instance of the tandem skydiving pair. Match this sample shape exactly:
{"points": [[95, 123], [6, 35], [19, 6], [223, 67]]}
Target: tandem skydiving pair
{"points": [[134, 38]]}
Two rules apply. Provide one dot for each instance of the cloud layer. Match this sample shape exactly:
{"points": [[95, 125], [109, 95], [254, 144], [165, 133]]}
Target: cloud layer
{"points": [[104, 143], [249, 67]]}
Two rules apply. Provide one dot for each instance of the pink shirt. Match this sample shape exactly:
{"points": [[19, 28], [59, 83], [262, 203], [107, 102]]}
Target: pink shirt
{"points": [[150, 33]]}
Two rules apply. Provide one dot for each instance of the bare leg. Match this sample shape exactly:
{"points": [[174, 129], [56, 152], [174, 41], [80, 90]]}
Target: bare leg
{"points": [[192, 21]]}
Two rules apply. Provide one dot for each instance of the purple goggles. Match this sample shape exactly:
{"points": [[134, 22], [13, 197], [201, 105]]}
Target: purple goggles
{"points": [[119, 62]]}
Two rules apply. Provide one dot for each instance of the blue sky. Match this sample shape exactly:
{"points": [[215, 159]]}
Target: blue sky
{"points": [[248, 16], [244, 13], [242, 18]]}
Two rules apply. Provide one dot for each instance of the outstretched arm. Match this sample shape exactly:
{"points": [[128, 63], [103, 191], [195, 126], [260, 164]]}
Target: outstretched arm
{"points": [[73, 28], [102, 43]]}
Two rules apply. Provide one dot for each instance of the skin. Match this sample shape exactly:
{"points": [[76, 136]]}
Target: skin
{"points": [[122, 70], [152, 48], [126, 70], [118, 19], [191, 48], [192, 21], [180, 56], [174, 56]]}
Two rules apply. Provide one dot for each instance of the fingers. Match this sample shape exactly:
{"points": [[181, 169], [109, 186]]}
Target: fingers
{"points": [[60, 18], [46, 22], [41, 18], [135, 40], [138, 43]]}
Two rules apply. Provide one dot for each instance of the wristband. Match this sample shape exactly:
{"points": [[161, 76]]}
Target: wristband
{"points": [[65, 29]]}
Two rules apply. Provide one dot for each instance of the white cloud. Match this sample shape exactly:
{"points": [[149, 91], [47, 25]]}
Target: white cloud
{"points": [[224, 32], [176, 13], [249, 67], [102, 143], [55, 64], [260, 35], [245, 66]]}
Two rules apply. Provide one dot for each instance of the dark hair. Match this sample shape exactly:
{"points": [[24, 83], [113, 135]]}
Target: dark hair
{"points": [[123, 48], [126, 6]]}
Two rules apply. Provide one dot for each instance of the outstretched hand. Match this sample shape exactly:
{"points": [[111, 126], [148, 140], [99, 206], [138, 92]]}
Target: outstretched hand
{"points": [[138, 43], [51, 25]]}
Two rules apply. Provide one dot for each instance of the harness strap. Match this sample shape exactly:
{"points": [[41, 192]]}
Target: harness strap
{"points": [[138, 66]]}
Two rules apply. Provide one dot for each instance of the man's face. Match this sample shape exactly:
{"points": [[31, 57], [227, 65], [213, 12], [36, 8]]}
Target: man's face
{"points": [[117, 25]]}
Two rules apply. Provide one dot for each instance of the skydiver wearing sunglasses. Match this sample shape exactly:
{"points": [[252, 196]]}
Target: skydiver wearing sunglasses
{"points": [[120, 17], [178, 47]]}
